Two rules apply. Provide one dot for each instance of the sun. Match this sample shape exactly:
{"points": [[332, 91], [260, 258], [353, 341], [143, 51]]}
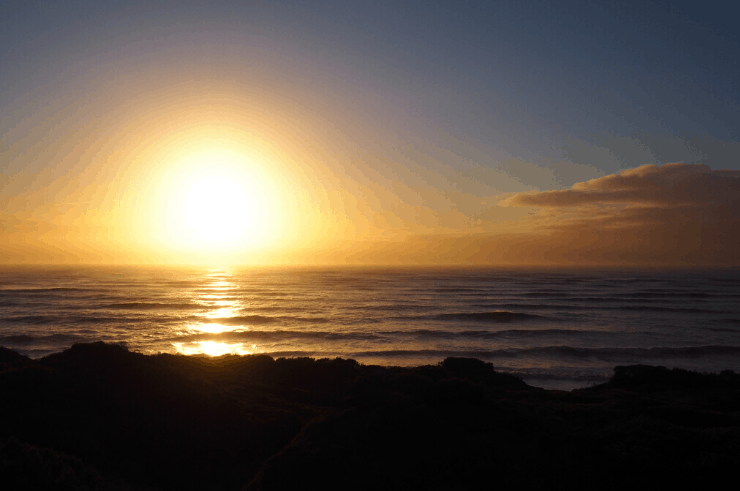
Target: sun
{"points": [[218, 210], [215, 206]]}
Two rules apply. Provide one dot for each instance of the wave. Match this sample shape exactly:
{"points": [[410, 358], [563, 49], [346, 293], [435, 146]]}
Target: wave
{"points": [[488, 334], [566, 306], [647, 308], [159, 306], [42, 290], [138, 317], [462, 290], [261, 319], [68, 320], [536, 306], [31, 319], [374, 335], [632, 352], [720, 329], [732, 281], [670, 294], [19, 339], [182, 283], [28, 339], [495, 316], [252, 293], [106, 320], [279, 334], [545, 294], [630, 299], [619, 355], [273, 308], [594, 299], [635, 280], [491, 316]]}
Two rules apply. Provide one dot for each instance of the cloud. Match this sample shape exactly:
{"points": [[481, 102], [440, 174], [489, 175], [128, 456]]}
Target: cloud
{"points": [[667, 186], [675, 215]]}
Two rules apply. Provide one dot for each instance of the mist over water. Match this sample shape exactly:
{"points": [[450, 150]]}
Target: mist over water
{"points": [[555, 328]]}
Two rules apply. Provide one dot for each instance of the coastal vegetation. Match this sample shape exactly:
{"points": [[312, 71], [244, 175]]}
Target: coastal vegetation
{"points": [[98, 416]]}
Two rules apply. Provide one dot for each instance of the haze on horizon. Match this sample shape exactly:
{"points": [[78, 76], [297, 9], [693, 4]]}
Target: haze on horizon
{"points": [[421, 133]]}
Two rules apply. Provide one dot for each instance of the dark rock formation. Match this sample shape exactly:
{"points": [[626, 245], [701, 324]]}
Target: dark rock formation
{"points": [[100, 417]]}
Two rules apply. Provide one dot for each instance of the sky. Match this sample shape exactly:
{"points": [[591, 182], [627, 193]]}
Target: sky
{"points": [[328, 132]]}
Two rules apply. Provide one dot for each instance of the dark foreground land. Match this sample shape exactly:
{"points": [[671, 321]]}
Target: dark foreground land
{"points": [[100, 417]]}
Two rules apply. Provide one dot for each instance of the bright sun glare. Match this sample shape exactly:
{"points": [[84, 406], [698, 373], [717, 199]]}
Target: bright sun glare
{"points": [[218, 210], [216, 204]]}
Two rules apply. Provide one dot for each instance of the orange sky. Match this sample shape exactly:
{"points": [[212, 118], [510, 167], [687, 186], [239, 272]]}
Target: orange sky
{"points": [[670, 215]]}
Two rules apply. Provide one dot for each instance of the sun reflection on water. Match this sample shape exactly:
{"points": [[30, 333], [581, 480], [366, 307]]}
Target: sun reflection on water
{"points": [[219, 285], [222, 313], [216, 295], [213, 348], [214, 328]]}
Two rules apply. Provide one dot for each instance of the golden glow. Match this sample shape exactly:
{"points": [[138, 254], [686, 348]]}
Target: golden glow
{"points": [[212, 348]]}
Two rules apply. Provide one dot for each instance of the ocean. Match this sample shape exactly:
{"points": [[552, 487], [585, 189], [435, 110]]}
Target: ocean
{"points": [[555, 328]]}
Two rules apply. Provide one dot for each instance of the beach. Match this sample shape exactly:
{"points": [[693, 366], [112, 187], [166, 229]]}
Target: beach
{"points": [[98, 416]]}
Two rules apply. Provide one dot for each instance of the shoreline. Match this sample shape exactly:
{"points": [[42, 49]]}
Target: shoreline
{"points": [[109, 418]]}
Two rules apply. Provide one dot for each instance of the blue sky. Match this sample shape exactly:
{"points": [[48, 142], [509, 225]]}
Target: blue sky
{"points": [[532, 79]]}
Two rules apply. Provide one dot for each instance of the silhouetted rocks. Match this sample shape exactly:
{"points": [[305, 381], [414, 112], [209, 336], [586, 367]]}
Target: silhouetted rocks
{"points": [[644, 377], [100, 417], [10, 359]]}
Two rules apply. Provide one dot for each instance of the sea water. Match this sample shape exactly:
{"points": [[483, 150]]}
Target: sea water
{"points": [[555, 328]]}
